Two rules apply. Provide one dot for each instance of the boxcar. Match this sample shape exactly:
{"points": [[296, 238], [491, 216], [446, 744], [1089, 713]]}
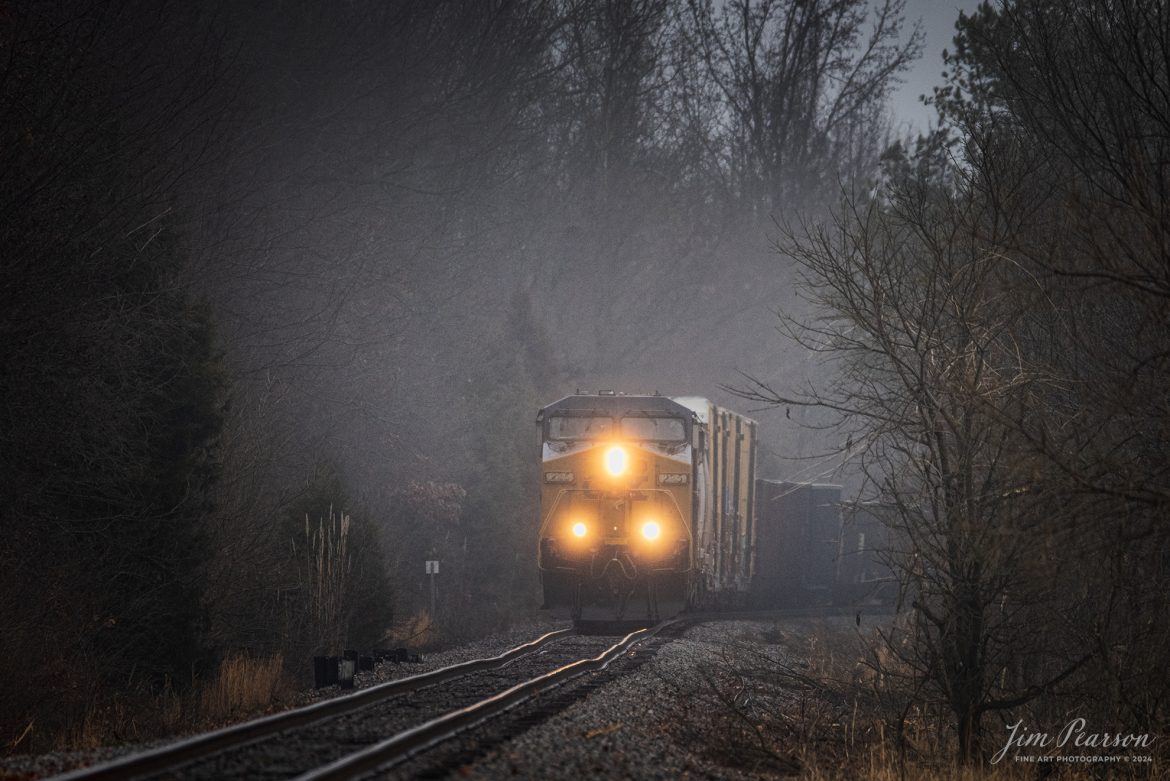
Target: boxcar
{"points": [[797, 543]]}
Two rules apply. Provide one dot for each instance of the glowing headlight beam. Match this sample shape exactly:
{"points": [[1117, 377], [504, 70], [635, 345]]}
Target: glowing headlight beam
{"points": [[651, 530], [616, 461], [580, 529]]}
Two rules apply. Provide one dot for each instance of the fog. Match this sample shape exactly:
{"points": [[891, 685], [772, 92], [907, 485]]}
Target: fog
{"points": [[283, 287], [429, 212], [270, 263]]}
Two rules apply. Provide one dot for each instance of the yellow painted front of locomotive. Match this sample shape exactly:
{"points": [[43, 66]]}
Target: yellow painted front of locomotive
{"points": [[617, 494]]}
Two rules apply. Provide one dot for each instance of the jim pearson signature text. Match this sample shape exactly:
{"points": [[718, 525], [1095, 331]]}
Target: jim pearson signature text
{"points": [[1073, 734]]}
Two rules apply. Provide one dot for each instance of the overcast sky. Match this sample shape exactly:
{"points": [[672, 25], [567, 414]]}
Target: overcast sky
{"points": [[938, 23]]}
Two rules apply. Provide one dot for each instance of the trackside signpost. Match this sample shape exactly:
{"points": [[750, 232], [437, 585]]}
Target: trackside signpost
{"points": [[432, 570]]}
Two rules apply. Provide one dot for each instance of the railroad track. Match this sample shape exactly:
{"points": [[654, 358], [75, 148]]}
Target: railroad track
{"points": [[383, 726]]}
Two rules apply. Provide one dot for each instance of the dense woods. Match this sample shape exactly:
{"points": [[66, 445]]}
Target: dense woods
{"points": [[283, 285]]}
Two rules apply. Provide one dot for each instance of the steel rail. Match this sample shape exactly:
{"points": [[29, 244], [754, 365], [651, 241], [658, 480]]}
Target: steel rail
{"points": [[196, 747], [448, 725]]}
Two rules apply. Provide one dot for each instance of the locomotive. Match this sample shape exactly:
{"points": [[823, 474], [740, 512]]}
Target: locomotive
{"points": [[649, 506], [646, 505]]}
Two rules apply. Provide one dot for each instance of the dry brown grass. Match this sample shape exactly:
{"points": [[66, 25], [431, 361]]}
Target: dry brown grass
{"points": [[242, 686], [103, 724], [880, 766]]}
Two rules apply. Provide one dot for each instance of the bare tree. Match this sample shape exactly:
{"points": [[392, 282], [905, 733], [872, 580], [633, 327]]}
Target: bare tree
{"points": [[912, 308], [803, 86]]}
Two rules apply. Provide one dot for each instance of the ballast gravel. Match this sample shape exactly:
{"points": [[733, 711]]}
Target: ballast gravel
{"points": [[629, 729]]}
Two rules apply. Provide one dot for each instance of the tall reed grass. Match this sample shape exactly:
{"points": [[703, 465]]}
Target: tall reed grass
{"points": [[242, 686]]}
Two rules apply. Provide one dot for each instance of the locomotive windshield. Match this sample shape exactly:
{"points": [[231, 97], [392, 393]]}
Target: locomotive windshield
{"points": [[579, 426], [656, 428]]}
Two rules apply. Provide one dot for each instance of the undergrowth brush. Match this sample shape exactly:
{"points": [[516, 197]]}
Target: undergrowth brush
{"points": [[242, 687], [802, 700]]}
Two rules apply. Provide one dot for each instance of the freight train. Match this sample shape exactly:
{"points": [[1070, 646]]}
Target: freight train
{"points": [[650, 505]]}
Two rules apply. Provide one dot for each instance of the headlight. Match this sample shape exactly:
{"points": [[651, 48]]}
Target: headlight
{"points": [[580, 529], [616, 461], [651, 530]]}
